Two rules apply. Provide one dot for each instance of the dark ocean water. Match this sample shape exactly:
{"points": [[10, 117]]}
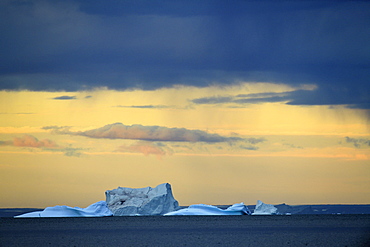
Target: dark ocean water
{"points": [[276, 230]]}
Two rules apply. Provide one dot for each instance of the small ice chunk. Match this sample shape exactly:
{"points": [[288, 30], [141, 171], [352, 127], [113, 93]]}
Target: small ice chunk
{"points": [[264, 209]]}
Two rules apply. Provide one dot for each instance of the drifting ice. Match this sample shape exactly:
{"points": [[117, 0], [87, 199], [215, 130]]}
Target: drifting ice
{"points": [[202, 209], [264, 209], [141, 201], [97, 209]]}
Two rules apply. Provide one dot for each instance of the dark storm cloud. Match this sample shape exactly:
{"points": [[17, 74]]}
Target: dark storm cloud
{"points": [[213, 100], [337, 96], [247, 98], [81, 45]]}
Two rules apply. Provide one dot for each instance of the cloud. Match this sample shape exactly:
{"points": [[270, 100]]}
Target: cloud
{"points": [[255, 98], [146, 148], [144, 106], [151, 138], [358, 142], [290, 145], [310, 96], [81, 45], [213, 100], [53, 127], [150, 133], [5, 143], [253, 140], [58, 129], [31, 141], [253, 148], [67, 151], [65, 97], [72, 152], [20, 130]]}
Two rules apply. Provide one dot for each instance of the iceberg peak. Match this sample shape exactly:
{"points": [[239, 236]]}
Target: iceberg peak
{"points": [[141, 201]]}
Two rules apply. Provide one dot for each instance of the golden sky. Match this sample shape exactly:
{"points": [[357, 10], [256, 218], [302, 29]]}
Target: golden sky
{"points": [[254, 100], [67, 148]]}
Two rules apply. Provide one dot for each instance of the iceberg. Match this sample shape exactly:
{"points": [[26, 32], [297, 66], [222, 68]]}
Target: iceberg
{"points": [[203, 209], [141, 201], [98, 209], [146, 201], [264, 209]]}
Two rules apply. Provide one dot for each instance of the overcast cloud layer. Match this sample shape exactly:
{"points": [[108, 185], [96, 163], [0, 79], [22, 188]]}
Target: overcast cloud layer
{"points": [[79, 45]]}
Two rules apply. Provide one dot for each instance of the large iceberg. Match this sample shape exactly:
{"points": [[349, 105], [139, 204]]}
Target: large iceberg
{"points": [[147, 201], [202, 209], [264, 209], [141, 201], [97, 209]]}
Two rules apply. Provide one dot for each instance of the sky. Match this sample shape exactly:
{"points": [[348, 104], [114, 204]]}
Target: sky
{"points": [[228, 101]]}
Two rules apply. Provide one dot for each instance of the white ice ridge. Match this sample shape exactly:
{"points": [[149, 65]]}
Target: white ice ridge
{"points": [[141, 201], [97, 209], [202, 209], [264, 209]]}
